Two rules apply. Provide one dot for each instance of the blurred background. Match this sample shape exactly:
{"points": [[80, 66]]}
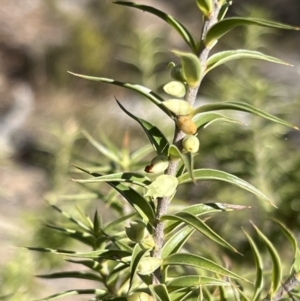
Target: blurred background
{"points": [[43, 109]]}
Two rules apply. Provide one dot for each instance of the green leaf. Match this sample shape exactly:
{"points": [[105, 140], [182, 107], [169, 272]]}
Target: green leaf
{"points": [[140, 154], [70, 218], [203, 120], [191, 67], [187, 159], [195, 281], [160, 292], [127, 177], [137, 254], [98, 292], [101, 148], [239, 106], [85, 218], [175, 242], [289, 235], [206, 7], [180, 294], [83, 237], [155, 98], [184, 33], [138, 202], [199, 262], [89, 263], [72, 274], [200, 209], [200, 226], [231, 55], [222, 27], [156, 137], [103, 254], [50, 250], [259, 282], [112, 225], [223, 10], [97, 222], [276, 262], [218, 175]]}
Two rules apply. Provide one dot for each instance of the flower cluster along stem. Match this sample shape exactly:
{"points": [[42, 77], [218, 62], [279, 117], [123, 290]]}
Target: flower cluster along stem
{"points": [[163, 203]]}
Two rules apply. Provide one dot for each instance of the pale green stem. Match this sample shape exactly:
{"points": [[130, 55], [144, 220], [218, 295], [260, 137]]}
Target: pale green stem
{"points": [[163, 203]]}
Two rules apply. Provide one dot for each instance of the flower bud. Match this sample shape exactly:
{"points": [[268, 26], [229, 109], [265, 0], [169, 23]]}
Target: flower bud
{"points": [[140, 296], [148, 265], [175, 88], [178, 106], [191, 144], [137, 231], [158, 164], [187, 125]]}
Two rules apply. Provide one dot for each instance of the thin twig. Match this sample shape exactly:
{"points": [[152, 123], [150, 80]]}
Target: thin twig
{"points": [[285, 288]]}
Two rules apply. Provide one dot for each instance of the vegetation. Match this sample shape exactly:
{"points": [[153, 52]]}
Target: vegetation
{"points": [[153, 246]]}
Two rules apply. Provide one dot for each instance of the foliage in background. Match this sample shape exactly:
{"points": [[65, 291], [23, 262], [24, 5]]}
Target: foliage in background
{"points": [[122, 260]]}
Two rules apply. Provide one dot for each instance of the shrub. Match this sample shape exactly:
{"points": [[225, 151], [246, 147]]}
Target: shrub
{"points": [[147, 252]]}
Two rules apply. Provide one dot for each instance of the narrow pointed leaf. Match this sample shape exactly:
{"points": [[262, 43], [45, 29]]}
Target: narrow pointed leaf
{"points": [[195, 281], [83, 237], [70, 218], [226, 25], [138, 202], [85, 218], [239, 106], [127, 177], [97, 222], [160, 292], [259, 281], [101, 148], [223, 10], [191, 67], [231, 55], [205, 6], [72, 274], [200, 209], [137, 254], [142, 152], [112, 225], [175, 242], [104, 254], [218, 175], [276, 262], [180, 294], [68, 293], [201, 263], [185, 158], [200, 226], [184, 33], [289, 235], [156, 137], [50, 250], [89, 263], [156, 99], [203, 120]]}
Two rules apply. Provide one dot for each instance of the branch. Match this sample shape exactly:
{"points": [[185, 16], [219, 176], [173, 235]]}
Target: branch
{"points": [[285, 288], [163, 203]]}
